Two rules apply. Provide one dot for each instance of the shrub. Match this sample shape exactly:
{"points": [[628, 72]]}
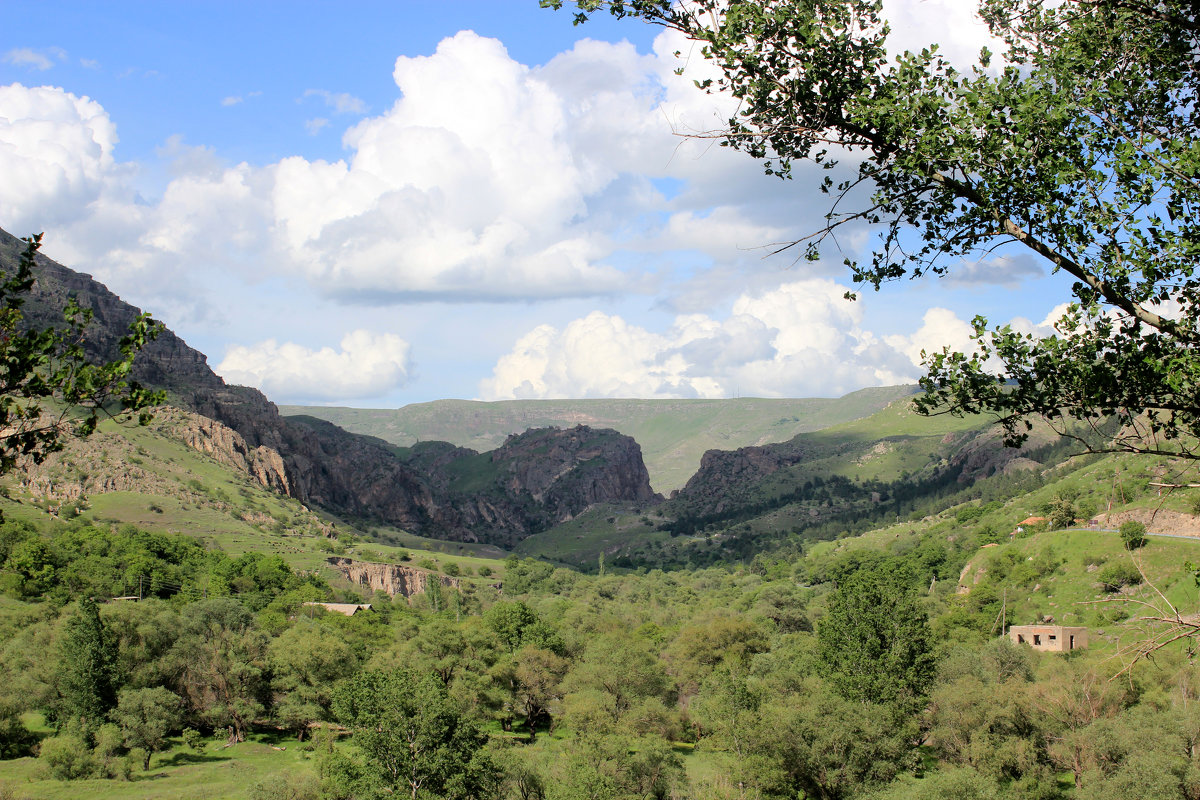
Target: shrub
{"points": [[485, 571], [451, 569], [968, 514], [193, 740], [1061, 513], [1118, 575], [286, 787], [67, 757], [1133, 534]]}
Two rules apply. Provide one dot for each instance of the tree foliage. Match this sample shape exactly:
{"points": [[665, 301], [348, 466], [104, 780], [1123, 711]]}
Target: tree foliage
{"points": [[145, 717], [416, 740], [49, 391], [86, 681], [1133, 534], [1078, 147], [876, 640], [221, 664]]}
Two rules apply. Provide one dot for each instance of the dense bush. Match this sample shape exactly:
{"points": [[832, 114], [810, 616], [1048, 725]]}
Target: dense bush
{"points": [[1117, 575]]}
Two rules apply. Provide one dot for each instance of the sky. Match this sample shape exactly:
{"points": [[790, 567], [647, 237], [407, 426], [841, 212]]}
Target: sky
{"points": [[374, 204]]}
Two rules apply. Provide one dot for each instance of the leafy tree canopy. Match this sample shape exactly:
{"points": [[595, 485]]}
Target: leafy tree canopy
{"points": [[876, 640], [1077, 146], [48, 389], [416, 740]]}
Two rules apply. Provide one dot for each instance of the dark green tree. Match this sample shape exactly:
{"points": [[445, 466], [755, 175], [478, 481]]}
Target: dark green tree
{"points": [[818, 744], [220, 663], [1077, 149], [415, 739], [1133, 534], [49, 390], [306, 661], [86, 679], [875, 638], [145, 717]]}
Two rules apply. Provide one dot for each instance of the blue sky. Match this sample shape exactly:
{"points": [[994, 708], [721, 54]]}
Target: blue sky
{"points": [[375, 204]]}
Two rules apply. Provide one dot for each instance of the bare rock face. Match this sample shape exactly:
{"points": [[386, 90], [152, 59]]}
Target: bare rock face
{"points": [[985, 454], [394, 579], [570, 470], [725, 476], [537, 479], [226, 446]]}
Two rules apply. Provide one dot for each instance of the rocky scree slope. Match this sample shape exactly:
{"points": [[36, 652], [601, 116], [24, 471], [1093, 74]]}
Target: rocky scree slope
{"points": [[323, 465]]}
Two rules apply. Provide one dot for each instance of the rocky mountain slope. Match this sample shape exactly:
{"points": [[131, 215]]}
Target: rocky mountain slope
{"points": [[673, 434], [323, 465]]}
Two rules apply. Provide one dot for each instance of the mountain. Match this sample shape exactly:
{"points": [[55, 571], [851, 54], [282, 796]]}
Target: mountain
{"points": [[351, 475], [888, 467], [673, 434]]}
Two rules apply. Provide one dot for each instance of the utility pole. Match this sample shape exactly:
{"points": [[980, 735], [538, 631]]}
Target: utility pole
{"points": [[1002, 617]]}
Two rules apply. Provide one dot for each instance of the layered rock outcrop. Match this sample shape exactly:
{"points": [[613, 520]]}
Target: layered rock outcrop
{"points": [[226, 446], [395, 579]]}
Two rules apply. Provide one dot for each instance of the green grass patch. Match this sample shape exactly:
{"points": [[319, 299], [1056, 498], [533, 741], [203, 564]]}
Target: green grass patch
{"points": [[216, 773]]}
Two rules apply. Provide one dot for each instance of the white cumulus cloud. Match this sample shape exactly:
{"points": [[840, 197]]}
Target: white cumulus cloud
{"points": [[801, 339], [55, 156], [368, 364], [940, 328]]}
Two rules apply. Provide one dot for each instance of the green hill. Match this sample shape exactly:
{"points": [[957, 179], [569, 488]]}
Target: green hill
{"points": [[673, 434], [147, 477]]}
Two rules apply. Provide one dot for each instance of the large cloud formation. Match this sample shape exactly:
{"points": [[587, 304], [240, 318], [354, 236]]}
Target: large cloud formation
{"points": [[367, 364], [800, 339], [56, 155], [487, 181]]}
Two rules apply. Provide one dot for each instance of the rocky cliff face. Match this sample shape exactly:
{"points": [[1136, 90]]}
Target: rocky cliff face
{"points": [[576, 468], [226, 446], [535, 480], [726, 476], [394, 579], [321, 464]]}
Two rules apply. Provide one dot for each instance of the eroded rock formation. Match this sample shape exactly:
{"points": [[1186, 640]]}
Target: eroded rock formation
{"points": [[226, 446], [395, 579]]}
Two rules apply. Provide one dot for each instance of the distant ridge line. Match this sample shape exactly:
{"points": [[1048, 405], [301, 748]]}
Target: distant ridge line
{"points": [[673, 433]]}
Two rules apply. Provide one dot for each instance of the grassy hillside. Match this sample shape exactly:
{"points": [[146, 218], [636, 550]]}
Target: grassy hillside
{"points": [[673, 434], [176, 489]]}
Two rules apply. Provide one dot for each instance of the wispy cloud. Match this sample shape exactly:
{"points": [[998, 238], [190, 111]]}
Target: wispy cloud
{"points": [[235, 99], [314, 126], [340, 102], [33, 59]]}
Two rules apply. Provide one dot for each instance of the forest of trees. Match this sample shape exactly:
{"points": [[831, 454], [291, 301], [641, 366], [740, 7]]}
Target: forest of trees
{"points": [[836, 676]]}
